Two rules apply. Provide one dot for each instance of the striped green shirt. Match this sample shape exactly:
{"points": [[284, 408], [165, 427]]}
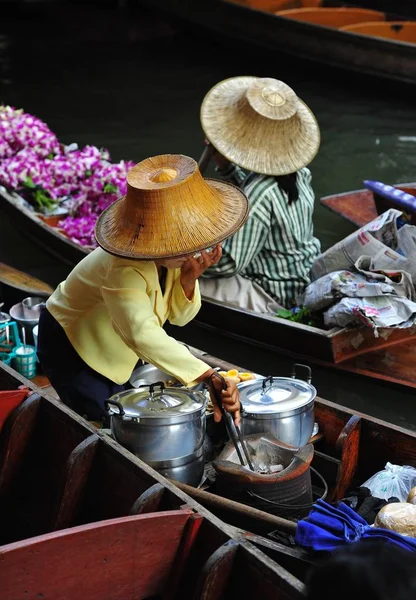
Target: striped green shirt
{"points": [[276, 246]]}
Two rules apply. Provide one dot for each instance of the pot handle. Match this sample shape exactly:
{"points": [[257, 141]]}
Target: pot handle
{"points": [[108, 403], [152, 388], [267, 380], [308, 369]]}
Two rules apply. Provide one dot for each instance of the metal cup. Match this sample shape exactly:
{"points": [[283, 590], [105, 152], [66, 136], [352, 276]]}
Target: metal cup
{"points": [[32, 307]]}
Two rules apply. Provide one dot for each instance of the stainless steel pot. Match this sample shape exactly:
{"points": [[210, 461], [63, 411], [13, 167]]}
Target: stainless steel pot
{"points": [[147, 374], [164, 426], [282, 406]]}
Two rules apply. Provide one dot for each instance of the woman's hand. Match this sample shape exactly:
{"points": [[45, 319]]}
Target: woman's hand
{"points": [[193, 268], [230, 397]]}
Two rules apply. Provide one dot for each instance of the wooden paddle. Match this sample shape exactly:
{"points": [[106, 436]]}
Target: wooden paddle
{"points": [[23, 281], [213, 501]]}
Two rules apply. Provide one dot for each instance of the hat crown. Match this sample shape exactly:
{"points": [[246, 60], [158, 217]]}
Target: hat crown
{"points": [[272, 99], [163, 175]]}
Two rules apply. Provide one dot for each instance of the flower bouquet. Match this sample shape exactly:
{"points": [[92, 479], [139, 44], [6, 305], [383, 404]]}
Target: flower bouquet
{"points": [[67, 186]]}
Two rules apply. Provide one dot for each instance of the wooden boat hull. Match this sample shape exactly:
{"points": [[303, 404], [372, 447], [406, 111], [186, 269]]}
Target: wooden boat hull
{"points": [[323, 45], [336, 348], [58, 475], [359, 207], [48, 238], [329, 347]]}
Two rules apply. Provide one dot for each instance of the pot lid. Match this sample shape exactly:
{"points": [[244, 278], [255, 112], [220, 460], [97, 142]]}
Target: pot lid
{"points": [[157, 401], [4, 317], [275, 395]]}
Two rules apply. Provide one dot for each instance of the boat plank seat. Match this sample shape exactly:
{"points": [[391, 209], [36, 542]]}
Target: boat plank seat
{"points": [[76, 475], [205, 541], [37, 441], [233, 572], [399, 31], [130, 557], [115, 487], [149, 501], [340, 464], [362, 446], [337, 18]]}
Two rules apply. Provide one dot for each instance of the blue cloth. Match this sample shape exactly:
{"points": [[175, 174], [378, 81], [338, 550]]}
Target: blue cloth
{"points": [[327, 528]]}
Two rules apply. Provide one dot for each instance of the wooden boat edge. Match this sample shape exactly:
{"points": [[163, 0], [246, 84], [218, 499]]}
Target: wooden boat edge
{"points": [[213, 16]]}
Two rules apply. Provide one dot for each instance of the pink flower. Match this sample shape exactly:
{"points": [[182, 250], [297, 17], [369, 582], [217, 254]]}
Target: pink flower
{"points": [[31, 158]]}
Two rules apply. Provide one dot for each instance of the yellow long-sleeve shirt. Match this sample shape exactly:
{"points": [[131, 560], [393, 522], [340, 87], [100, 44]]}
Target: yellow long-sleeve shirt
{"points": [[113, 310]]}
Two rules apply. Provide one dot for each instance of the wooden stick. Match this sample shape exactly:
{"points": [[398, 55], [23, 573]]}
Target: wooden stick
{"points": [[205, 158], [211, 500]]}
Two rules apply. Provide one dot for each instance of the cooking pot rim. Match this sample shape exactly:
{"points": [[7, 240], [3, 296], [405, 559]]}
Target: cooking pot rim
{"points": [[264, 415], [279, 415], [116, 406], [159, 420]]}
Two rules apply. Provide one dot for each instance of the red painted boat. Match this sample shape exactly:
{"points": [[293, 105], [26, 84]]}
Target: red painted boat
{"points": [[361, 206], [71, 496]]}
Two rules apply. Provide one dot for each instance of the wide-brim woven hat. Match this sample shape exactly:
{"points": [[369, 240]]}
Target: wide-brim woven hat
{"points": [[170, 210], [260, 125]]}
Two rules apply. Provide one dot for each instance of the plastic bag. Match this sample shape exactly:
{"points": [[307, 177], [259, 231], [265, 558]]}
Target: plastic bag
{"points": [[393, 482]]}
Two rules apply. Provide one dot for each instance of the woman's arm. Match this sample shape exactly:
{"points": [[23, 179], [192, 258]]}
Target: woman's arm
{"points": [[135, 322]]}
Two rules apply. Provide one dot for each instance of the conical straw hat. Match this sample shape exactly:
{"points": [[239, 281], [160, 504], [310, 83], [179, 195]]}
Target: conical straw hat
{"points": [[260, 124], [170, 210]]}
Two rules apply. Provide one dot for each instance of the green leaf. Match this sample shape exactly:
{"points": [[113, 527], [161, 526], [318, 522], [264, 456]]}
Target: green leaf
{"points": [[283, 313], [29, 183], [109, 188]]}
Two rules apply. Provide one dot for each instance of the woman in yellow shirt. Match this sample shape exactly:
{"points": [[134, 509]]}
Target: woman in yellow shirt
{"points": [[111, 309]]}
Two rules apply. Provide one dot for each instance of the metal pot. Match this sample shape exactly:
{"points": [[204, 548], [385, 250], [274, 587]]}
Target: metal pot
{"points": [[164, 426], [147, 374], [282, 406]]}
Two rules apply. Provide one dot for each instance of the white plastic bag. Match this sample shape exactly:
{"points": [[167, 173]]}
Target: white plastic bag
{"points": [[393, 481]]}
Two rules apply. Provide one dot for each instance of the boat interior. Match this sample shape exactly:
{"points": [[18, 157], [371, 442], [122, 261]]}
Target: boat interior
{"points": [[351, 19]]}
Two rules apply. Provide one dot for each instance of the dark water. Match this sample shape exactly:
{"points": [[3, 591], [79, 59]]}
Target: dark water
{"points": [[133, 83]]}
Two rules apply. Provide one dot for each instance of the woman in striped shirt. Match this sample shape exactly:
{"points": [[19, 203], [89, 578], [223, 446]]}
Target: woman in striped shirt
{"points": [[263, 136]]}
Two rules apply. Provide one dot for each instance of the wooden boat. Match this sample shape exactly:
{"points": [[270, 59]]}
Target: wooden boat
{"points": [[308, 33], [59, 475], [41, 230], [362, 206], [350, 350], [106, 524]]}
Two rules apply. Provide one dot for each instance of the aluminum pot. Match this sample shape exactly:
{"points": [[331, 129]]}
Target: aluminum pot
{"points": [[282, 406], [146, 374], [164, 426]]}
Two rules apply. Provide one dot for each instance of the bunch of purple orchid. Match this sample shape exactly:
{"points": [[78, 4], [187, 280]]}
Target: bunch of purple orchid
{"points": [[34, 163]]}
